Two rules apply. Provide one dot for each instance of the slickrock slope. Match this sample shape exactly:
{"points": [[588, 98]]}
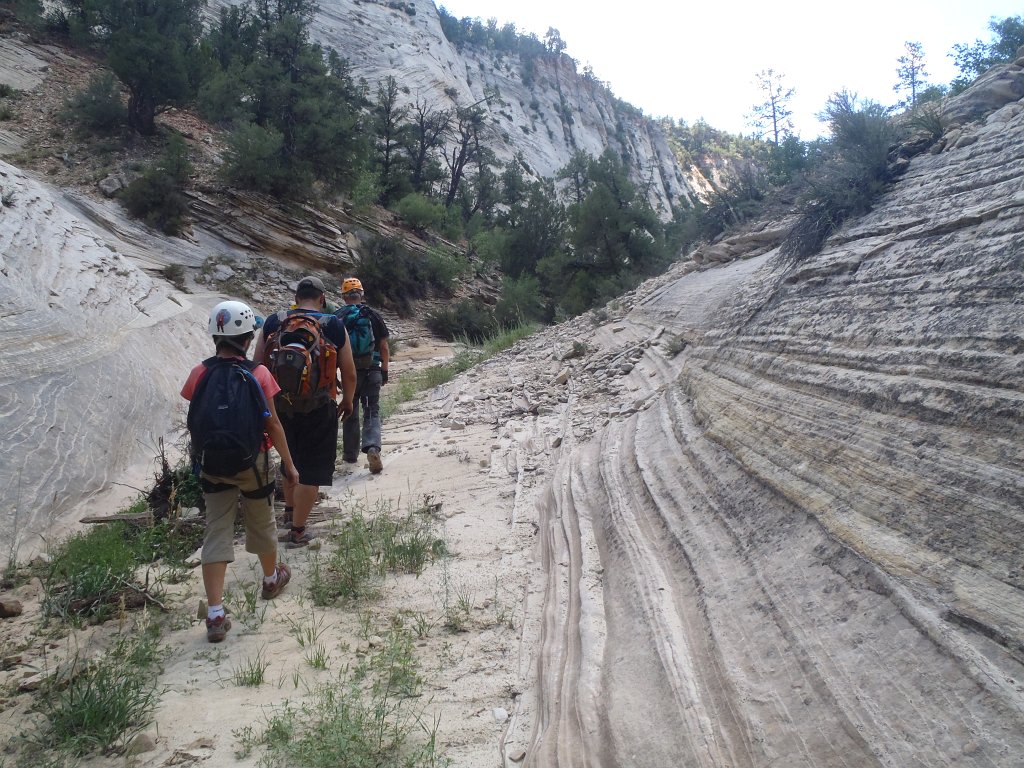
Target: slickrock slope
{"points": [[91, 355], [786, 525]]}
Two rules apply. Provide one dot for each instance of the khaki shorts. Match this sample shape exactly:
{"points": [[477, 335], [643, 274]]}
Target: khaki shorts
{"points": [[221, 506]]}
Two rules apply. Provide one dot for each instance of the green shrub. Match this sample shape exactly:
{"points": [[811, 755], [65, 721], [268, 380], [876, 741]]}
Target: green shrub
{"points": [[443, 267], [157, 196], [88, 572], [521, 301], [218, 97], [108, 700], [369, 546], [467, 319], [99, 107], [855, 172], [254, 161], [419, 211], [394, 276], [367, 190]]}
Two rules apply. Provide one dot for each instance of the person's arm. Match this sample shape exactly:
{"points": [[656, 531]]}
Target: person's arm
{"points": [[385, 359], [272, 425], [261, 344], [347, 366]]}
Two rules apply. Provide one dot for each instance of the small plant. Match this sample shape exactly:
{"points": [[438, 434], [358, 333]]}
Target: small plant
{"points": [[419, 211], [675, 345], [175, 274], [317, 656], [88, 573], [341, 724], [422, 626], [446, 657], [395, 666], [252, 672], [928, 119], [367, 548], [7, 199], [98, 108], [157, 195], [307, 635], [456, 602], [503, 614], [107, 700], [245, 604]]}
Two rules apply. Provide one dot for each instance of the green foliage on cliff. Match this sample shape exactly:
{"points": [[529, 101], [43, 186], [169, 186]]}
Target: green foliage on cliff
{"points": [[976, 58]]}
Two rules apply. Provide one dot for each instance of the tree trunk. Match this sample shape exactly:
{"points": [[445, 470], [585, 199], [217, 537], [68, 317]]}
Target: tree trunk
{"points": [[141, 115]]}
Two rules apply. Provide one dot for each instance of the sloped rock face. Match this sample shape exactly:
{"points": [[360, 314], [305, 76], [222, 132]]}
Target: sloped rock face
{"points": [[785, 525], [547, 121], [93, 354]]}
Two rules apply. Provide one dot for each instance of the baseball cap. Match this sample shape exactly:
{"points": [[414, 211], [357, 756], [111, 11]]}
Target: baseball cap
{"points": [[311, 282]]}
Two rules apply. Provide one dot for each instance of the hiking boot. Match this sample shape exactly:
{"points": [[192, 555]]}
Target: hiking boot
{"points": [[298, 538], [286, 532], [284, 575], [373, 459], [217, 629]]}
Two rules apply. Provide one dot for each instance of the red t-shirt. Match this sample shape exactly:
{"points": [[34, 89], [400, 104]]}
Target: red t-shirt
{"points": [[265, 379]]}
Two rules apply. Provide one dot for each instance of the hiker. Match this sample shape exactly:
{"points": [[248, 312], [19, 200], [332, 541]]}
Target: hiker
{"points": [[368, 338], [232, 425], [304, 348]]}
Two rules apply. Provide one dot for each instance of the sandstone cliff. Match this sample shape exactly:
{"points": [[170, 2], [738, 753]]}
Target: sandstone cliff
{"points": [[560, 112], [798, 537]]}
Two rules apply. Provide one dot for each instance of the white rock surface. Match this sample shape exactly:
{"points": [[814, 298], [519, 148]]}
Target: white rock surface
{"points": [[93, 352], [380, 40]]}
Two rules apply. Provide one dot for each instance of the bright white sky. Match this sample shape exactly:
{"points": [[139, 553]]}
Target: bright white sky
{"points": [[690, 60]]}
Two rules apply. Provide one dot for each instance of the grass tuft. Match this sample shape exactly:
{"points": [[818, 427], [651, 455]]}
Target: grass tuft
{"points": [[107, 700], [367, 547], [364, 718]]}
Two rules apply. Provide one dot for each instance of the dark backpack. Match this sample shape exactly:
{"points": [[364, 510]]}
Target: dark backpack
{"points": [[303, 361], [356, 318], [226, 416]]}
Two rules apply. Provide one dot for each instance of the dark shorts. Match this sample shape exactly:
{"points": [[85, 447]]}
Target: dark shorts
{"points": [[313, 442]]}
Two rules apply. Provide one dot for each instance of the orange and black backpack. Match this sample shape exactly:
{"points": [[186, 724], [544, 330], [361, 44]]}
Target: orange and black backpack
{"points": [[303, 361]]}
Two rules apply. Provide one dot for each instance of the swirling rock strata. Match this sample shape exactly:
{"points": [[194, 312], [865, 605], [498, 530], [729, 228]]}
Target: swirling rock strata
{"points": [[787, 521], [92, 354]]}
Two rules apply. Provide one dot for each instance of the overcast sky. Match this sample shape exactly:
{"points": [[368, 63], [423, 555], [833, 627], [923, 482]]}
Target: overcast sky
{"points": [[690, 60]]}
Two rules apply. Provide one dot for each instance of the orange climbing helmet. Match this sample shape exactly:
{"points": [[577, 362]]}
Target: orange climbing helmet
{"points": [[351, 284]]}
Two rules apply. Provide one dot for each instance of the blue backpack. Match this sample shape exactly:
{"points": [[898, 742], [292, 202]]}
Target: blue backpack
{"points": [[356, 318], [225, 417]]}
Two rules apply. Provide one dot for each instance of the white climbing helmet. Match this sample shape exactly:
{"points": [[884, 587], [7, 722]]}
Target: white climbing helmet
{"points": [[232, 318]]}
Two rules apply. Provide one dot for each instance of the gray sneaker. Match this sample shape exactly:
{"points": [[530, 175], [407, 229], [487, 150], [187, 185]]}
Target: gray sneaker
{"points": [[296, 539], [373, 459]]}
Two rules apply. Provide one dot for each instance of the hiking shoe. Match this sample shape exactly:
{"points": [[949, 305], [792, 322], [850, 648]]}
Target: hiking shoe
{"points": [[285, 533], [217, 629], [296, 539], [284, 575], [373, 459]]}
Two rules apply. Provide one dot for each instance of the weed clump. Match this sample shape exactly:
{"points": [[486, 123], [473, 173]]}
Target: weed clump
{"points": [[107, 700]]}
